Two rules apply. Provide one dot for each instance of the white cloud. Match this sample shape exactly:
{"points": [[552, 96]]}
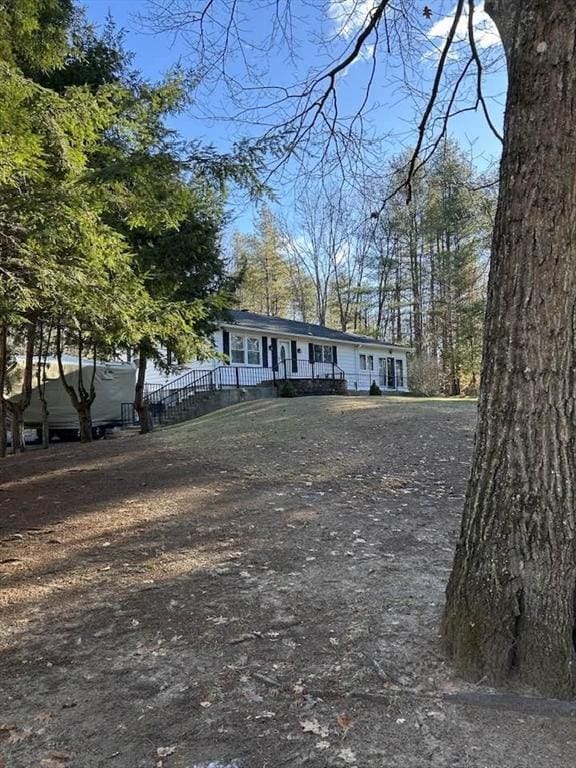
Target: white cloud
{"points": [[485, 32], [349, 16]]}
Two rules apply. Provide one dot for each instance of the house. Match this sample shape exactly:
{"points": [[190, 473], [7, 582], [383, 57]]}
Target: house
{"points": [[253, 348]]}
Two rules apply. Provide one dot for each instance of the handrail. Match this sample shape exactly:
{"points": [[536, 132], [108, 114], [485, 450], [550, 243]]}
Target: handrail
{"points": [[166, 389], [198, 379], [181, 394], [177, 398]]}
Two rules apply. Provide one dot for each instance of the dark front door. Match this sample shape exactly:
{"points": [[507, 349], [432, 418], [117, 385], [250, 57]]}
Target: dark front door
{"points": [[284, 364]]}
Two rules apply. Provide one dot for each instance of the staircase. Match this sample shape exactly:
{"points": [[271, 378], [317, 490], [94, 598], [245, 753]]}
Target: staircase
{"points": [[200, 391]]}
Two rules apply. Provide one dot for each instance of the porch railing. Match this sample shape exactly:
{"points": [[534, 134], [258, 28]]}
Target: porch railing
{"points": [[171, 401]]}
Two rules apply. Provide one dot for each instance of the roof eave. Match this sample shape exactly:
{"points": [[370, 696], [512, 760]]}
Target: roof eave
{"points": [[355, 341]]}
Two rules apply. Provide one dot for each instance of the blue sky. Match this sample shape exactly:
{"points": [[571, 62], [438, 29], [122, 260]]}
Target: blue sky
{"points": [[394, 111]]}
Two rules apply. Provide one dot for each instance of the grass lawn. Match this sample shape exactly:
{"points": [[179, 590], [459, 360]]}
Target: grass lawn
{"points": [[259, 588]]}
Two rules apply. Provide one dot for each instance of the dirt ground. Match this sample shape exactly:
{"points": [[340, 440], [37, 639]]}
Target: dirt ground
{"points": [[257, 589]]}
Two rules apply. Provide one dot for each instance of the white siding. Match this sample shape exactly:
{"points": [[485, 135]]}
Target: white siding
{"points": [[156, 377], [348, 360]]}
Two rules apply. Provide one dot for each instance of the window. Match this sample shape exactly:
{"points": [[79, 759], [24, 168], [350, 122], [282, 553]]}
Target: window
{"points": [[253, 351], [362, 362], [391, 378], [370, 362], [399, 373], [237, 349], [245, 350], [322, 353]]}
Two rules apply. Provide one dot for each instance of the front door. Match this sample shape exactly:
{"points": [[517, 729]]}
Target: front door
{"points": [[284, 366]]}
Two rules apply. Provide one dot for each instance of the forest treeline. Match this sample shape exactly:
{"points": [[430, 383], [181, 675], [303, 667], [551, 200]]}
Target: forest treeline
{"points": [[412, 274]]}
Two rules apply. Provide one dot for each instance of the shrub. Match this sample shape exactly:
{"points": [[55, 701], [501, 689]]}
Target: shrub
{"points": [[287, 389], [375, 389]]}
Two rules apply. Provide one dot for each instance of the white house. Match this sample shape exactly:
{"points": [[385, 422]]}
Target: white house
{"points": [[253, 348]]}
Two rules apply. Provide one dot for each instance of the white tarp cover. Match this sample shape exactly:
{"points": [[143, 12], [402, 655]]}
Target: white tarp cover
{"points": [[114, 384]]}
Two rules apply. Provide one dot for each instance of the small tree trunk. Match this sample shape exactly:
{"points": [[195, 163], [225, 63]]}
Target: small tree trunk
{"points": [[17, 406], [85, 423], [44, 335], [3, 366], [140, 404], [510, 608], [45, 427], [82, 401]]}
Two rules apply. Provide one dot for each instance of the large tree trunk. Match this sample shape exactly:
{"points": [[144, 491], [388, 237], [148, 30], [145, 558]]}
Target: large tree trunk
{"points": [[510, 609]]}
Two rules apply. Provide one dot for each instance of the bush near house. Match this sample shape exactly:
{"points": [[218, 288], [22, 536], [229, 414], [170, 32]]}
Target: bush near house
{"points": [[287, 389], [375, 389]]}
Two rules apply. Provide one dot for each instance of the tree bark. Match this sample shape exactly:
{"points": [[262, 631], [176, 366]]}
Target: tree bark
{"points": [[415, 278], [85, 423], [3, 366], [140, 404], [17, 407], [17, 430], [82, 401], [510, 610], [43, 347]]}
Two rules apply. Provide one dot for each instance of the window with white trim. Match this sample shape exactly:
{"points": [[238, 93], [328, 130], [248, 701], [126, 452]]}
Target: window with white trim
{"points": [[237, 349], [322, 353], [370, 362], [253, 350], [245, 350], [362, 362]]}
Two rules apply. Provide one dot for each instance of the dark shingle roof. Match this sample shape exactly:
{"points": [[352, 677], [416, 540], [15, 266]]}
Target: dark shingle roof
{"points": [[281, 326]]}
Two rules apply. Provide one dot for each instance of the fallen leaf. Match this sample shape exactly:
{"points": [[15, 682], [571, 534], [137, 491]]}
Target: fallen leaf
{"points": [[313, 726], [322, 745], [242, 638], [13, 734], [165, 751], [344, 721], [6, 729], [55, 760], [348, 756], [44, 717]]}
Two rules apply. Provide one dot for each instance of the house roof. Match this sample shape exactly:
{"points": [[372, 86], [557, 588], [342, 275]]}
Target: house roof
{"points": [[281, 327]]}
